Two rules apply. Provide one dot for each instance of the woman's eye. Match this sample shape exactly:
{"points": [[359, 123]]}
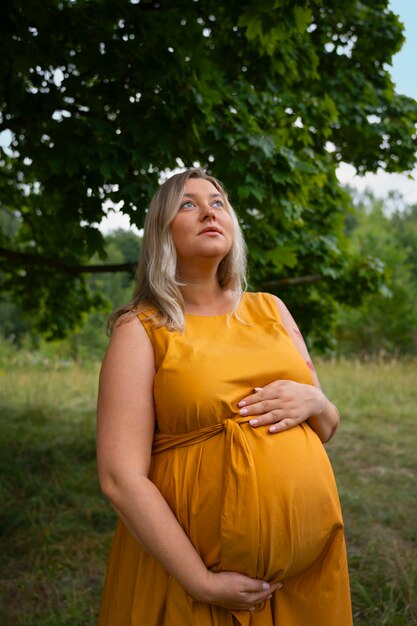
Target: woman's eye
{"points": [[189, 204]]}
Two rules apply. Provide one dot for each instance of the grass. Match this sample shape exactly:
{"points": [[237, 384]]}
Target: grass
{"points": [[375, 461], [56, 528]]}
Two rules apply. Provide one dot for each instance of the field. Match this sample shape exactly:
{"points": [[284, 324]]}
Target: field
{"points": [[56, 527]]}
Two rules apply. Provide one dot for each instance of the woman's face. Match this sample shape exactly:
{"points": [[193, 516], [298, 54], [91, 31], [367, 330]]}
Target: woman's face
{"points": [[202, 227]]}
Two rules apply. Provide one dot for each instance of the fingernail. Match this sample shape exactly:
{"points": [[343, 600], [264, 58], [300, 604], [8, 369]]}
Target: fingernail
{"points": [[272, 429], [241, 403], [279, 586], [269, 597], [257, 388], [243, 411], [253, 422], [265, 585]]}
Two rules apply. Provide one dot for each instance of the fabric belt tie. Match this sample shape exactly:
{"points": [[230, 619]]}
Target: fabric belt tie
{"points": [[239, 524]]}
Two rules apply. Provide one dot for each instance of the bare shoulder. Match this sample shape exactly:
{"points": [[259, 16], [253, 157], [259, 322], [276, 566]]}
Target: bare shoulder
{"points": [[128, 324], [288, 321], [129, 330], [294, 332], [129, 347], [284, 311]]}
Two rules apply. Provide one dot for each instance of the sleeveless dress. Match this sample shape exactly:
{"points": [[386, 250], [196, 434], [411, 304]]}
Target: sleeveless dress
{"points": [[262, 504]]}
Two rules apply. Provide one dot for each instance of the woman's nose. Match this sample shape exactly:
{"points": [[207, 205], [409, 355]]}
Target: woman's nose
{"points": [[208, 214]]}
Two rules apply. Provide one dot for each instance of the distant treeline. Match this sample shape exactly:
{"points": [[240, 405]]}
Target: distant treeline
{"points": [[386, 323]]}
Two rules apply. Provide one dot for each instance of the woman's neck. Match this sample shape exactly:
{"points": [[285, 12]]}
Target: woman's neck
{"points": [[206, 297]]}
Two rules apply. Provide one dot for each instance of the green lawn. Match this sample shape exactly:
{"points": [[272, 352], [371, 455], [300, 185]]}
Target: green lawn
{"points": [[56, 528], [374, 455]]}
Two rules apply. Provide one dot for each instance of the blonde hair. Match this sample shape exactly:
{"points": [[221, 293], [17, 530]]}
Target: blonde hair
{"points": [[157, 287]]}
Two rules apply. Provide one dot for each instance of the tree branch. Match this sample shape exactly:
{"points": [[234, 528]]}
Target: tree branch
{"points": [[25, 258], [287, 282]]}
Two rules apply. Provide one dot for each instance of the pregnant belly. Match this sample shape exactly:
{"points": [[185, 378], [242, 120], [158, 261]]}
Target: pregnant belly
{"points": [[264, 505]]}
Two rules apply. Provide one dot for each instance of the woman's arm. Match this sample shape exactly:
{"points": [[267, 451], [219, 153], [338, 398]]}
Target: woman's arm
{"points": [[325, 418], [125, 429], [286, 403]]}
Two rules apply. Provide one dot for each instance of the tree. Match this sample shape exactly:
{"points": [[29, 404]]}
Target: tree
{"points": [[88, 342], [102, 97], [385, 323]]}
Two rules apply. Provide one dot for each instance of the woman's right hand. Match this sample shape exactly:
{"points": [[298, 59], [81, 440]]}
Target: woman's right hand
{"points": [[235, 591]]}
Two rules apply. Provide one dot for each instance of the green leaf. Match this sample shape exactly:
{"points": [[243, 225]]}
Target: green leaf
{"points": [[302, 18], [282, 256]]}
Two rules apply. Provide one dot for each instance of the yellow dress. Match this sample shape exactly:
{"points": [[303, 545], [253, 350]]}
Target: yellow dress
{"points": [[262, 504]]}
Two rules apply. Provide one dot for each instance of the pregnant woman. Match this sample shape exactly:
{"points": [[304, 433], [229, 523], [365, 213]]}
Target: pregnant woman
{"points": [[211, 425]]}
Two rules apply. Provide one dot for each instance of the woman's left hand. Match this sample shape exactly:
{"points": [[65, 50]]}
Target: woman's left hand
{"points": [[283, 404]]}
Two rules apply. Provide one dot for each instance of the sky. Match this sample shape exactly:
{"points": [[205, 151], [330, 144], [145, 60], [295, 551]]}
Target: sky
{"points": [[404, 75]]}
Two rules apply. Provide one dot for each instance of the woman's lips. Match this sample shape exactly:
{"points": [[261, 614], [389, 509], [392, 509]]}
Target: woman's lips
{"points": [[210, 231]]}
